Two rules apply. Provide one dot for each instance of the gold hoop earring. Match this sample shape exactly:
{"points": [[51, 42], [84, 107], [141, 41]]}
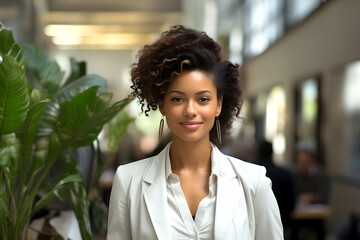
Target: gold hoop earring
{"points": [[218, 130], [161, 128]]}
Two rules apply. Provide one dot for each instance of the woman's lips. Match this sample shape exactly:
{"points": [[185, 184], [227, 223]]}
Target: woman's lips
{"points": [[191, 125]]}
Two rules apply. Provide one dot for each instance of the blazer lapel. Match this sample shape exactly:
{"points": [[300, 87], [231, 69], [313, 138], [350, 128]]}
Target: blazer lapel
{"points": [[229, 193], [155, 196]]}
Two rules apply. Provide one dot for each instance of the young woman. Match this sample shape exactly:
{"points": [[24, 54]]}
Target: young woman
{"points": [[191, 190]]}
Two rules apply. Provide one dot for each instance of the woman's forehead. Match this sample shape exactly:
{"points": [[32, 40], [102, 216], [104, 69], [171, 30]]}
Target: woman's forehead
{"points": [[194, 80]]}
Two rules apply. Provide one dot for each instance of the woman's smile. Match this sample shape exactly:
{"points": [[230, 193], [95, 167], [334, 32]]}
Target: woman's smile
{"points": [[191, 125]]}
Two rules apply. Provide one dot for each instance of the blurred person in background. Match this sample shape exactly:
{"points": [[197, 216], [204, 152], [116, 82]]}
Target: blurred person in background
{"points": [[191, 190], [312, 183], [282, 183], [312, 189]]}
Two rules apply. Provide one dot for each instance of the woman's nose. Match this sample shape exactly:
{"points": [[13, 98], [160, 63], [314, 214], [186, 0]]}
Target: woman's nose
{"points": [[190, 109]]}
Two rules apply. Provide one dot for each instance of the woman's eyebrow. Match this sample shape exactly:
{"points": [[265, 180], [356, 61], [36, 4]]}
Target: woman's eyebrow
{"points": [[198, 93], [205, 91], [179, 92]]}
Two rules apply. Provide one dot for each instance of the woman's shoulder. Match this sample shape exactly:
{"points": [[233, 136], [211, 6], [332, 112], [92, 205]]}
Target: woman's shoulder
{"points": [[251, 174], [242, 168], [147, 169], [131, 174], [135, 168], [247, 166]]}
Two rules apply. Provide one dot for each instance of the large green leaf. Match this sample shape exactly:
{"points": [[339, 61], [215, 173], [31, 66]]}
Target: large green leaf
{"points": [[28, 130], [78, 197], [50, 113], [81, 120], [66, 94], [14, 95], [47, 73], [117, 129], [26, 135], [9, 46]]}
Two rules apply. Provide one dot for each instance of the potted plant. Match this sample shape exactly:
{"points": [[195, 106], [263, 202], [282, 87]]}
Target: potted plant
{"points": [[40, 118]]}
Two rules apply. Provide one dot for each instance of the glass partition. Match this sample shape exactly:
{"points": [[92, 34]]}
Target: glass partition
{"points": [[352, 119]]}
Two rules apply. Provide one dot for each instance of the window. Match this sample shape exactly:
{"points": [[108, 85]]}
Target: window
{"points": [[265, 21], [298, 10], [307, 117], [263, 24], [352, 118], [275, 122], [308, 129]]}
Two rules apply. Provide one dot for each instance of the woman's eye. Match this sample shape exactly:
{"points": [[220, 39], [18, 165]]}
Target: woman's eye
{"points": [[176, 99], [204, 99]]}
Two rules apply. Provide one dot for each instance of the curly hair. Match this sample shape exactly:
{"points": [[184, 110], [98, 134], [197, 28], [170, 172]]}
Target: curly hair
{"points": [[178, 50]]}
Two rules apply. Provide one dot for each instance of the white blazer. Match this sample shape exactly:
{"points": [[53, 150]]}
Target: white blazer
{"points": [[245, 204]]}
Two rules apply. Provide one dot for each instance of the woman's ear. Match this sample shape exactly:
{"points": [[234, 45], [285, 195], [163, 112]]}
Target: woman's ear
{"points": [[161, 107], [219, 106]]}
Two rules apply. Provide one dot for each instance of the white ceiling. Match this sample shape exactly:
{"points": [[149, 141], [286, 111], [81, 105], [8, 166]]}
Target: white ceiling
{"points": [[115, 5], [106, 24]]}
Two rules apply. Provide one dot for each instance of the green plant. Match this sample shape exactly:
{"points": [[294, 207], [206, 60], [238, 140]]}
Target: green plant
{"points": [[39, 119], [117, 128]]}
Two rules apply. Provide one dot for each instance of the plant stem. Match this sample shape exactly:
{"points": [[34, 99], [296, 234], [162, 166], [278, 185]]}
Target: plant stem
{"points": [[3, 217], [100, 171], [51, 159], [9, 192], [1, 180], [23, 176]]}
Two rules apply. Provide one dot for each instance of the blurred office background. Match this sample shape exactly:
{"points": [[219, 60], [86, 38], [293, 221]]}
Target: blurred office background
{"points": [[300, 68]]}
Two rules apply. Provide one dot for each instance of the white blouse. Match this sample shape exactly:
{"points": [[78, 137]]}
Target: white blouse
{"points": [[181, 222]]}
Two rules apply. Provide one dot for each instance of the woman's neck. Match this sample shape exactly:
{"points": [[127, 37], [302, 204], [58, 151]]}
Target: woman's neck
{"points": [[190, 156]]}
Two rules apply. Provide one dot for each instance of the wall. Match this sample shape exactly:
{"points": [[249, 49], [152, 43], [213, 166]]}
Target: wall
{"points": [[321, 45], [113, 65]]}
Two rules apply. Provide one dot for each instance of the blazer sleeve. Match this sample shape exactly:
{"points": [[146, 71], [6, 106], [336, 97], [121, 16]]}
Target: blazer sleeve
{"points": [[119, 215], [267, 216]]}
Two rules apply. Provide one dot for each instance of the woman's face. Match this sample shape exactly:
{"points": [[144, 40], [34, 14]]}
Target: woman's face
{"points": [[190, 106]]}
